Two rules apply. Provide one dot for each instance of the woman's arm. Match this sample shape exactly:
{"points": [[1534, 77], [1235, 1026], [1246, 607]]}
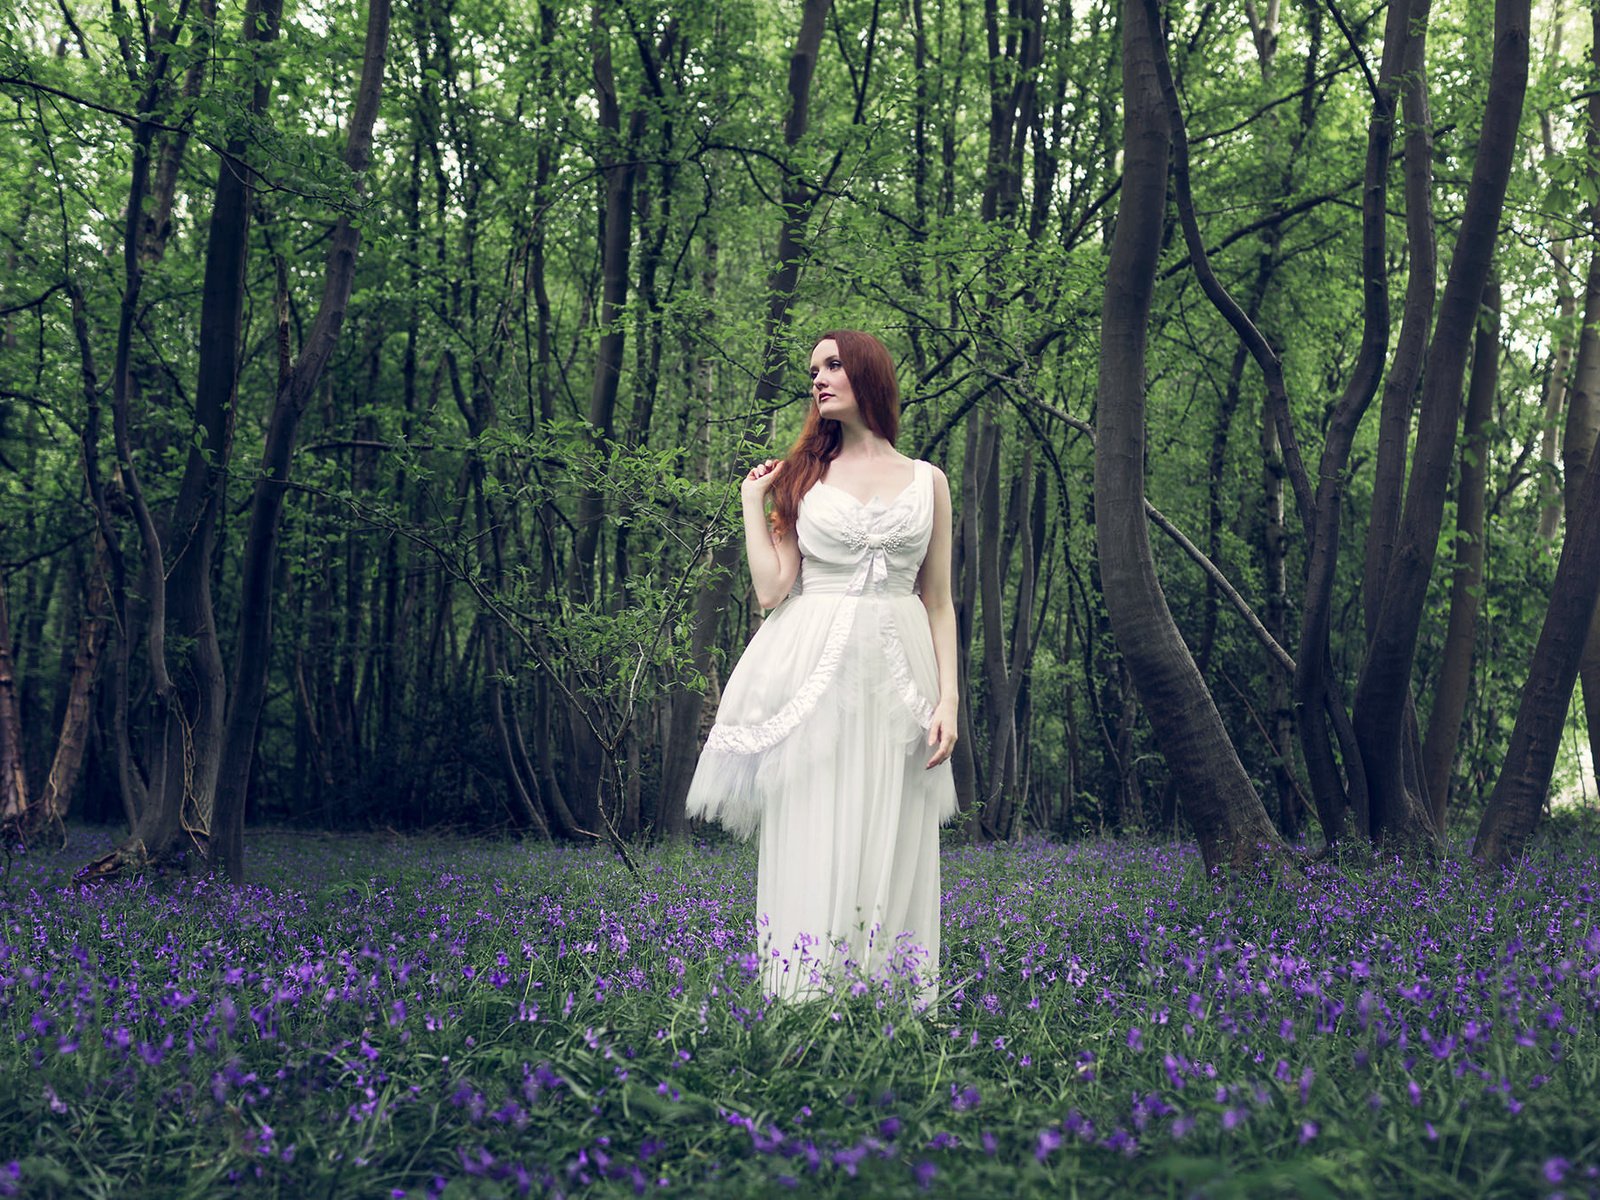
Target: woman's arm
{"points": [[774, 562], [934, 580]]}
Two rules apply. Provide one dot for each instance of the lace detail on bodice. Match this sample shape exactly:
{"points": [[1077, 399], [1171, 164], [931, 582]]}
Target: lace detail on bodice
{"points": [[851, 548]]}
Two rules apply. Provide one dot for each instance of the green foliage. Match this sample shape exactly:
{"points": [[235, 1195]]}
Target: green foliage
{"points": [[432, 539]]}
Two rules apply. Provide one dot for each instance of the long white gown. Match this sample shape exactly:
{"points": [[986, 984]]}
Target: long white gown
{"points": [[820, 743]]}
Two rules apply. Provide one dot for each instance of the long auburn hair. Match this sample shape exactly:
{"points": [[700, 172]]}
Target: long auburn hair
{"points": [[871, 372]]}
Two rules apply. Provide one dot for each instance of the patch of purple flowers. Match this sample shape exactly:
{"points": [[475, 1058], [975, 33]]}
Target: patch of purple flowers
{"points": [[546, 1022]]}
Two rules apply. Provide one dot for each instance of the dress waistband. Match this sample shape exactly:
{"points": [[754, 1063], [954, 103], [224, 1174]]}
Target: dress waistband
{"points": [[853, 580]]}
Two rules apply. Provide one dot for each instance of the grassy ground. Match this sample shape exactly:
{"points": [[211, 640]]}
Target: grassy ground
{"points": [[433, 1017]]}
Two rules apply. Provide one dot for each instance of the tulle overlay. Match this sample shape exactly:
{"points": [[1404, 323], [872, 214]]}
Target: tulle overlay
{"points": [[820, 744]]}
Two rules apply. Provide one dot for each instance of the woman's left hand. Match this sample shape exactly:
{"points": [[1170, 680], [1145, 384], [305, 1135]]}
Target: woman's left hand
{"points": [[942, 731]]}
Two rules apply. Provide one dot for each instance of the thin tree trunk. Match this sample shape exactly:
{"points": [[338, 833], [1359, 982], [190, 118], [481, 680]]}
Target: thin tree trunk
{"points": [[13, 780], [1578, 442], [1422, 285], [253, 648], [1555, 383], [682, 738], [186, 805], [1216, 471], [964, 573], [1517, 802], [1218, 799], [1384, 687], [1555, 398], [620, 176], [76, 718], [1582, 430], [168, 743], [1317, 694], [1455, 676]]}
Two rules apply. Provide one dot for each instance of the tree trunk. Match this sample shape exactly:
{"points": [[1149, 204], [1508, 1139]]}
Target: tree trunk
{"points": [[1274, 539], [616, 224], [1317, 695], [1455, 676], [1227, 816], [1422, 285], [964, 578], [186, 803], [13, 781], [1384, 687], [1555, 382], [78, 714], [169, 745], [1518, 799], [1578, 442], [1583, 400], [253, 649]]}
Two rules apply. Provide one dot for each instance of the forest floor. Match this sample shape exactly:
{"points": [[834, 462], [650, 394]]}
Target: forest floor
{"points": [[410, 1017]]}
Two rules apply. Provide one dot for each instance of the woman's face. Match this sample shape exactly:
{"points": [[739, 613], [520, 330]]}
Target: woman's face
{"points": [[830, 386]]}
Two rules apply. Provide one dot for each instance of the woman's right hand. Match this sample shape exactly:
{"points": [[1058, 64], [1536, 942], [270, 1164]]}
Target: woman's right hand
{"points": [[759, 479]]}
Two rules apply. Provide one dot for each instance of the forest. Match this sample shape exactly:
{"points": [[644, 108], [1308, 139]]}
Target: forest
{"points": [[375, 384]]}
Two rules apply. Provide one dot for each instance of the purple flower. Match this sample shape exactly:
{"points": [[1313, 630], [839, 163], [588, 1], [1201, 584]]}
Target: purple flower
{"points": [[1049, 1141]]}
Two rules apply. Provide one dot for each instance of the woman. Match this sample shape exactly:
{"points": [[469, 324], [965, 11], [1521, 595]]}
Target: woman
{"points": [[835, 729]]}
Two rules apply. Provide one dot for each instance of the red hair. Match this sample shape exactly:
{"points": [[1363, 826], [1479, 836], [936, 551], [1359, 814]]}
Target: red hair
{"points": [[871, 373]]}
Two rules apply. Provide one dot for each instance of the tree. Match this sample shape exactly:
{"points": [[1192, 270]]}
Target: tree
{"points": [[1466, 577], [1398, 812], [1217, 796]]}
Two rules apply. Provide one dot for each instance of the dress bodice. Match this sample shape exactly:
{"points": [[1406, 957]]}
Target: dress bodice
{"points": [[856, 549]]}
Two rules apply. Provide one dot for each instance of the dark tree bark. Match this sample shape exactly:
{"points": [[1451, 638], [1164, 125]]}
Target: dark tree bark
{"points": [[253, 649], [130, 781], [964, 581], [1317, 695], [1217, 797], [620, 175], [1455, 674], [186, 803], [13, 780], [1555, 382], [1517, 802], [1422, 285], [77, 715], [1578, 442], [1398, 815], [155, 797], [1582, 430], [1274, 534]]}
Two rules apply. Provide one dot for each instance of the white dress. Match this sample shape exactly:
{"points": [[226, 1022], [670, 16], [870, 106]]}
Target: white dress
{"points": [[820, 744]]}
